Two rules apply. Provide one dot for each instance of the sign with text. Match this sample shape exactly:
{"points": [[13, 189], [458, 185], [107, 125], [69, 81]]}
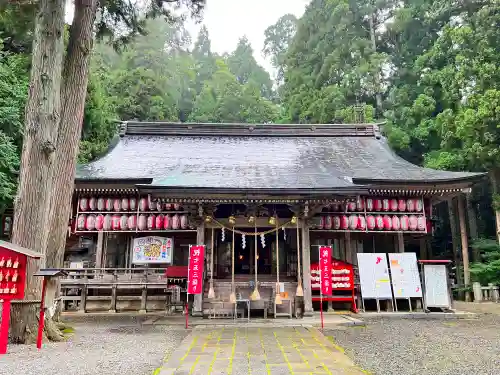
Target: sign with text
{"points": [[436, 286], [405, 275], [342, 275], [195, 271], [374, 276], [325, 266], [152, 249]]}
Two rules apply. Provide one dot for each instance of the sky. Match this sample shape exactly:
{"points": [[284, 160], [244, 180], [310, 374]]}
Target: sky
{"points": [[228, 20]]}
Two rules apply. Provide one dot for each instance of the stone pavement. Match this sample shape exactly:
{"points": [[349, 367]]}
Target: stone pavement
{"points": [[258, 351]]}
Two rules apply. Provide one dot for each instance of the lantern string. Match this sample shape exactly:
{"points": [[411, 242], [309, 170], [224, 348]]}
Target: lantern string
{"points": [[232, 229]]}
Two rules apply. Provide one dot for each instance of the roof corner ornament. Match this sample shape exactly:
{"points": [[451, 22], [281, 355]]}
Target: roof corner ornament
{"points": [[123, 128]]}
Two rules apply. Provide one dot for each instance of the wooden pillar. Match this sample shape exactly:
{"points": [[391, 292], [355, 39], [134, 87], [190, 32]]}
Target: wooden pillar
{"points": [[401, 243], [464, 243], [348, 247], [198, 298], [423, 248], [306, 269], [98, 250]]}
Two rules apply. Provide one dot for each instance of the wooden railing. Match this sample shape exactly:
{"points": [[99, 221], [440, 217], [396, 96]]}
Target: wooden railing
{"points": [[120, 289]]}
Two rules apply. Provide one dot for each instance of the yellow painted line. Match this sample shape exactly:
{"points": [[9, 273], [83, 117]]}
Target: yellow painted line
{"points": [[210, 368], [264, 350], [283, 352], [339, 348], [230, 367], [193, 343]]}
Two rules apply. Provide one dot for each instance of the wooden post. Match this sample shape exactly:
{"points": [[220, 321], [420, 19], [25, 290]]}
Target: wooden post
{"points": [[198, 298], [306, 269], [423, 248], [98, 250], [454, 238], [465, 243], [144, 299], [401, 243], [83, 298], [348, 247], [112, 307]]}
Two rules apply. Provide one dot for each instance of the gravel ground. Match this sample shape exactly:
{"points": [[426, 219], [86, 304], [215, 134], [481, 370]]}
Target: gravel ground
{"points": [[106, 347], [424, 347]]}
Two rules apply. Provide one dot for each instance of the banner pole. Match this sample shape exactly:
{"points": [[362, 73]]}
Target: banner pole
{"points": [[187, 289]]}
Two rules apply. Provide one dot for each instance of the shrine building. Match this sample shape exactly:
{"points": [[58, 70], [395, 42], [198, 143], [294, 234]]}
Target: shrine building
{"points": [[262, 198]]}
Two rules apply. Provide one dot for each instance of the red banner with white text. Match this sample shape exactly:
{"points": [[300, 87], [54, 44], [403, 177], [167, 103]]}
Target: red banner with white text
{"points": [[195, 271], [325, 263]]}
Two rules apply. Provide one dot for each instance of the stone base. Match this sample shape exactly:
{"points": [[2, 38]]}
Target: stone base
{"points": [[112, 311], [142, 311], [197, 313]]}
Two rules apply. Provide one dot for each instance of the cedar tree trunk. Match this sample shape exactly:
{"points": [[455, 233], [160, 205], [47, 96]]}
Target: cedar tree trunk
{"points": [[495, 183], [73, 93], [43, 106]]}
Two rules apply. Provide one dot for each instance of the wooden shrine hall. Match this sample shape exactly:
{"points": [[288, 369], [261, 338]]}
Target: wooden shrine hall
{"points": [[262, 198]]}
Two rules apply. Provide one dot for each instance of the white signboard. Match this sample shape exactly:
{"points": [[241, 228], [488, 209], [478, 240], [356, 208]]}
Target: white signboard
{"points": [[374, 276], [405, 275], [151, 249], [436, 286]]}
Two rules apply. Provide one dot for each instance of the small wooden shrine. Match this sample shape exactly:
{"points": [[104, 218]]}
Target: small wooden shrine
{"points": [[262, 198]]}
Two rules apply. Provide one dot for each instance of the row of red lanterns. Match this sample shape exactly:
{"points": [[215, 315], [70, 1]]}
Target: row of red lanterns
{"points": [[101, 204], [379, 222], [131, 222], [381, 205]]}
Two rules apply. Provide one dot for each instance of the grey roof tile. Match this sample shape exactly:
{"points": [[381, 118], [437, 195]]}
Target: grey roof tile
{"points": [[247, 162]]}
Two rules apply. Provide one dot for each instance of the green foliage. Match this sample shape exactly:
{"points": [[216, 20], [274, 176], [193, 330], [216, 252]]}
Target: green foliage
{"points": [[488, 270]]}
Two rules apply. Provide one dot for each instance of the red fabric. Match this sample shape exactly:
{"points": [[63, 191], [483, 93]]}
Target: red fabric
{"points": [[177, 271]]}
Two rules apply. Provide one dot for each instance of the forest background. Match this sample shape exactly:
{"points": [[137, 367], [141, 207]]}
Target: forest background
{"points": [[430, 69]]}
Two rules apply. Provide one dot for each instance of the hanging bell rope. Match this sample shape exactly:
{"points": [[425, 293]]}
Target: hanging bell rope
{"points": [[232, 296], [211, 292], [255, 296], [300, 290], [277, 299]]}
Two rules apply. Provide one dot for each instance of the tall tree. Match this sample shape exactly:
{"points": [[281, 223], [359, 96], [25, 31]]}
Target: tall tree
{"points": [[53, 130]]}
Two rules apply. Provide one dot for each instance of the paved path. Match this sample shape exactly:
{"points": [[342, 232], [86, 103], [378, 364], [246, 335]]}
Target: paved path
{"points": [[258, 351]]}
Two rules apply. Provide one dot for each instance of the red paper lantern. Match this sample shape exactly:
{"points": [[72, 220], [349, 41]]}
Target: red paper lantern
{"points": [[387, 222], [124, 222], [369, 204], [99, 222], [410, 205], [321, 224], [132, 203], [328, 222], [80, 222], [402, 205], [151, 222], [131, 222], [151, 203], [404, 222], [167, 222], [90, 222], [351, 206], [108, 204], [421, 224], [142, 222], [143, 204], [176, 222], [107, 222], [101, 205], [377, 205], [361, 222], [117, 204], [168, 206], [159, 206], [413, 222], [385, 205], [353, 222], [396, 224], [393, 204], [177, 206], [125, 204], [360, 204], [92, 203], [379, 222], [115, 222], [159, 221], [184, 222], [419, 205], [84, 204], [370, 222], [344, 222], [336, 222]]}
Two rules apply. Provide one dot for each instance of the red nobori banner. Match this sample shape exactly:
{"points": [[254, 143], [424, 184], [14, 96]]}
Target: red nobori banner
{"points": [[325, 263], [195, 271]]}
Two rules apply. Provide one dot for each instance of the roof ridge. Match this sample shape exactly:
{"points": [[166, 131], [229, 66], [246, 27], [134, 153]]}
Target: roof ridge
{"points": [[241, 129]]}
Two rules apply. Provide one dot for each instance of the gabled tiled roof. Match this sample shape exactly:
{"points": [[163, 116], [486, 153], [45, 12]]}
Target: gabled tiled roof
{"points": [[242, 156]]}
